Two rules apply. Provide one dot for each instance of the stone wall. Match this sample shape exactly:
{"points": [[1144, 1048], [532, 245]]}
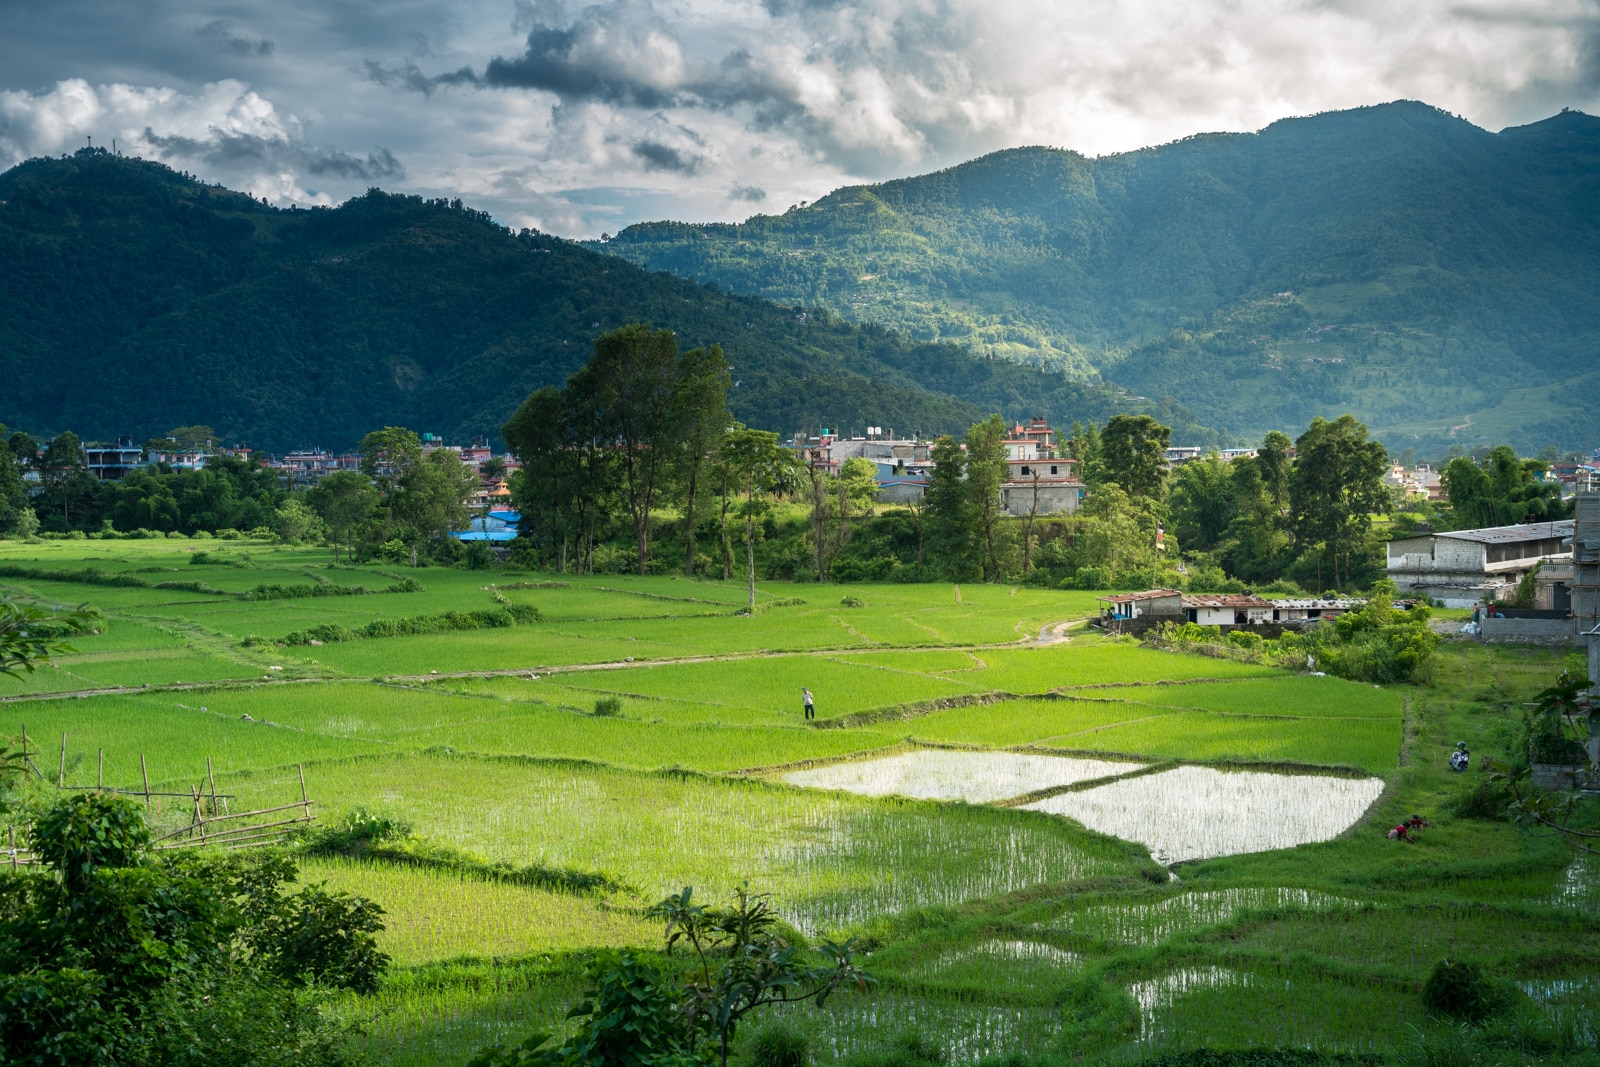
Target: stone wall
{"points": [[1527, 631]]}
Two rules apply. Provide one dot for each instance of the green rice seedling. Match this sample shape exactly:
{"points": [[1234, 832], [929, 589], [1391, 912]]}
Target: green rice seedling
{"points": [[432, 915], [975, 777], [406, 719], [1067, 724], [1216, 1007], [1094, 662], [1369, 744], [1405, 941], [1023, 968], [1299, 696], [175, 732], [1199, 812], [853, 1024], [831, 860], [1152, 922]]}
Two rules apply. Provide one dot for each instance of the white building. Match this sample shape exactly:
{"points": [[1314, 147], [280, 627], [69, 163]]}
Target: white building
{"points": [[1461, 568]]}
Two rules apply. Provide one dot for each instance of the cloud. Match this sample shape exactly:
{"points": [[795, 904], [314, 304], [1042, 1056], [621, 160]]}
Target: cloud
{"points": [[219, 34], [751, 194], [583, 115], [657, 156], [224, 129]]}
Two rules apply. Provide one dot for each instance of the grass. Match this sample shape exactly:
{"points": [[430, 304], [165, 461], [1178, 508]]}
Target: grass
{"points": [[993, 929]]}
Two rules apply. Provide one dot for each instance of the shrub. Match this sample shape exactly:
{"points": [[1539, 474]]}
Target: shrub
{"points": [[608, 706], [1458, 990], [852, 602], [779, 1044], [1486, 799], [910, 1049]]}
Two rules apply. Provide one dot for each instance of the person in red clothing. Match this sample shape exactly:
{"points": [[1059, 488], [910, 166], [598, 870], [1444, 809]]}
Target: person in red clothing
{"points": [[1401, 832]]}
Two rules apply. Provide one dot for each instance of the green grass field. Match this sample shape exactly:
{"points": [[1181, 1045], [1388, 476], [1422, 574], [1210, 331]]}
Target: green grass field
{"points": [[992, 928]]}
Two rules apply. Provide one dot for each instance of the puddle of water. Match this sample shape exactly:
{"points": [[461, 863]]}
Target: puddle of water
{"points": [[1158, 995], [1198, 812], [1580, 885], [976, 777], [1148, 924], [1025, 957], [849, 1026]]}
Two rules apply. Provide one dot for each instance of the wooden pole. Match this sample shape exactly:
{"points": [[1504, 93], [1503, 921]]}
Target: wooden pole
{"points": [[211, 778], [144, 773], [61, 775], [11, 839], [100, 775], [304, 800], [199, 818]]}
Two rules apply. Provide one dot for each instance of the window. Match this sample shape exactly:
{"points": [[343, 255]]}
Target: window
{"points": [[1025, 471], [1052, 468]]}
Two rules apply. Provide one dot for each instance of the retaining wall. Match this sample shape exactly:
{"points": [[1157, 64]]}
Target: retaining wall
{"points": [[1527, 631]]}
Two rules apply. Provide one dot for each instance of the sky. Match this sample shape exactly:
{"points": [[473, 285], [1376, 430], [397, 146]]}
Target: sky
{"points": [[579, 119]]}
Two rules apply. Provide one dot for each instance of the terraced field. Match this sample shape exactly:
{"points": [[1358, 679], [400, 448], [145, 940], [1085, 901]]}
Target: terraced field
{"points": [[1083, 845]]}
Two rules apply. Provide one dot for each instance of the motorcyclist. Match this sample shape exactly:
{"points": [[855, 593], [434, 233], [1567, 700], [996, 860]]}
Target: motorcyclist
{"points": [[1460, 758]]}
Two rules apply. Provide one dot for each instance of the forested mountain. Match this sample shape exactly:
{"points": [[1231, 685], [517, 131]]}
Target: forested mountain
{"points": [[1440, 281], [137, 299]]}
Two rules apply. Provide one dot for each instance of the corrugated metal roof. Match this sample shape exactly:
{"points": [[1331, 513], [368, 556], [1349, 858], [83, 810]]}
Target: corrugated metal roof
{"points": [[1225, 600], [1505, 535], [1149, 594]]}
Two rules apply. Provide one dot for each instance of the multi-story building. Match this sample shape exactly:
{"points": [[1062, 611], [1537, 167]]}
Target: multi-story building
{"points": [[110, 463], [1460, 568]]}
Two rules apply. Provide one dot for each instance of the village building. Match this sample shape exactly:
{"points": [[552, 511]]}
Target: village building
{"points": [[1460, 568], [1150, 604], [1038, 480], [1227, 609], [111, 463]]}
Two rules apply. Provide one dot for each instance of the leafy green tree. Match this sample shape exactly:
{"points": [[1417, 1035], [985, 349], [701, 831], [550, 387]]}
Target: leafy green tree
{"points": [[755, 463], [1501, 491], [634, 369], [854, 490], [986, 471], [13, 491], [295, 521], [947, 517], [63, 468], [700, 415], [1203, 501], [1257, 543], [1274, 462], [431, 497], [1115, 535], [141, 959], [1336, 486], [29, 633], [1133, 454], [343, 500], [388, 454]]}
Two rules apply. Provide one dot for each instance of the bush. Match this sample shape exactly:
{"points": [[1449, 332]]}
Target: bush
{"points": [[852, 602], [1458, 990], [1487, 799], [608, 706], [910, 1049], [779, 1044]]}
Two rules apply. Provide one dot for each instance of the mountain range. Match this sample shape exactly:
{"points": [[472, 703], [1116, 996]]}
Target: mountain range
{"points": [[1440, 281], [138, 299]]}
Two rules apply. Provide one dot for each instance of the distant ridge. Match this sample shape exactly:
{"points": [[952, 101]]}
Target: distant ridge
{"points": [[1440, 281], [138, 299]]}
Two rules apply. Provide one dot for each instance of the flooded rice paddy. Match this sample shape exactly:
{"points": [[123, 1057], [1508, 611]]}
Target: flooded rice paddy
{"points": [[1193, 813], [976, 777], [1152, 923], [1185, 813]]}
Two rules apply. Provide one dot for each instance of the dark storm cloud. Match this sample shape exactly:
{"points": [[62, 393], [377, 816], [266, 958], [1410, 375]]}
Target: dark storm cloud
{"points": [[410, 76], [236, 151], [748, 193], [563, 62], [220, 34], [658, 156]]}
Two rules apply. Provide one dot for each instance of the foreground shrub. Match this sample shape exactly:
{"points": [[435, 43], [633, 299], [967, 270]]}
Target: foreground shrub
{"points": [[779, 1044], [1458, 990]]}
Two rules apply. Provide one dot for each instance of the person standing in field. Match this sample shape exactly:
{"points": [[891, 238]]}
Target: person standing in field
{"points": [[811, 705]]}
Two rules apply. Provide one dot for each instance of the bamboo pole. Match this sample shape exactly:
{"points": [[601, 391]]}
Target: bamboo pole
{"points": [[144, 772], [11, 839], [303, 798], [211, 778], [100, 775], [224, 818], [61, 775]]}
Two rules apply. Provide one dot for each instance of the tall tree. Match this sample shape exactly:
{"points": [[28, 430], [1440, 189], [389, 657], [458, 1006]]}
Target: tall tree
{"points": [[700, 413], [1500, 491], [946, 513], [986, 471], [854, 490], [63, 468], [387, 454], [343, 500], [634, 369], [431, 499], [1133, 454], [537, 434], [1336, 486], [756, 464], [1274, 462], [1202, 500]]}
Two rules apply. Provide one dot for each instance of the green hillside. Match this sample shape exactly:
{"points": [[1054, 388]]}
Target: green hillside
{"points": [[138, 299], [1440, 281]]}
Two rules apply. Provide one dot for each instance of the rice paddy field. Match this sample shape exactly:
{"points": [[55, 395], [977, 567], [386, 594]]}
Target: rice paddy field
{"points": [[1048, 842]]}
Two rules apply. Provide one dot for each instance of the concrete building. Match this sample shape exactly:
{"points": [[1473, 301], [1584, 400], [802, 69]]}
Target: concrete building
{"points": [[1150, 604], [1461, 568], [1227, 609], [110, 463], [1041, 486]]}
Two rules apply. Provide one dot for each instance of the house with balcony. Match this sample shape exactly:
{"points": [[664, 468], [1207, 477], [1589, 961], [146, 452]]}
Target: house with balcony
{"points": [[1460, 568]]}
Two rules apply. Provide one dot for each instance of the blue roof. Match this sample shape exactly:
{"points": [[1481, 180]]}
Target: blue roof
{"points": [[495, 526]]}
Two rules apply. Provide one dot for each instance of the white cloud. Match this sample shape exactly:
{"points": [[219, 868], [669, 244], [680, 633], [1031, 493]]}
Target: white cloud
{"points": [[579, 117]]}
